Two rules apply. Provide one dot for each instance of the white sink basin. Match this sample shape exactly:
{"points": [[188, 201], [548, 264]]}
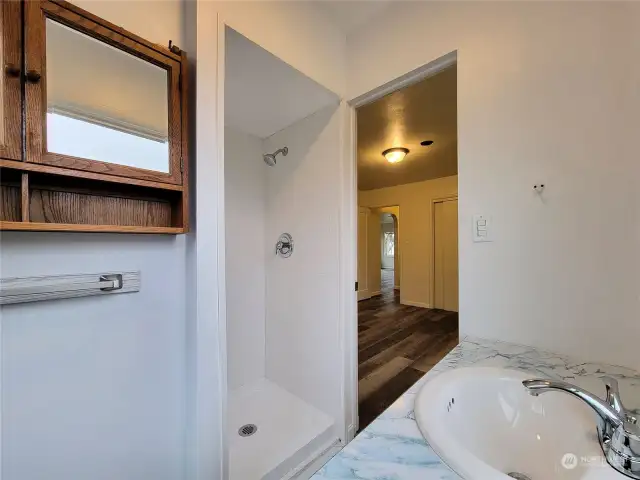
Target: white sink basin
{"points": [[484, 425]]}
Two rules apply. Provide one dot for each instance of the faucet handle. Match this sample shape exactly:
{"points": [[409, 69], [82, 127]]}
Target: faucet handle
{"points": [[613, 396]]}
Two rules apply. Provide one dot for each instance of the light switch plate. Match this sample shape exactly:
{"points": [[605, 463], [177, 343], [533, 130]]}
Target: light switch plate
{"points": [[482, 231]]}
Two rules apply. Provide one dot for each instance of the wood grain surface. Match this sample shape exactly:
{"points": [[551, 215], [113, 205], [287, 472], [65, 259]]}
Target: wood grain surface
{"points": [[65, 227], [10, 203], [397, 345], [11, 94], [48, 206]]}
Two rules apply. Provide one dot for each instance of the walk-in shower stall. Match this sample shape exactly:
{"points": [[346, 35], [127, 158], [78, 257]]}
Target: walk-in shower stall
{"points": [[282, 136]]}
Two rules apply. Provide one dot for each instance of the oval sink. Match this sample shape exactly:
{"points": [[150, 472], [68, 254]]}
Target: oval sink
{"points": [[485, 426]]}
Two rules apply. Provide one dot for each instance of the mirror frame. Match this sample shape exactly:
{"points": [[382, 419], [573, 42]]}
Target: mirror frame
{"points": [[11, 32], [36, 13]]}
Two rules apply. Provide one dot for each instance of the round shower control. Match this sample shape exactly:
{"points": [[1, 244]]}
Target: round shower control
{"points": [[284, 247]]}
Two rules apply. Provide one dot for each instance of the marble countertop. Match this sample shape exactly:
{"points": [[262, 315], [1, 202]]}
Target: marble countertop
{"points": [[392, 447]]}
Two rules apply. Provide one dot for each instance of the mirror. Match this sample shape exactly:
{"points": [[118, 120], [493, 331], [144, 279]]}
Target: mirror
{"points": [[103, 103]]}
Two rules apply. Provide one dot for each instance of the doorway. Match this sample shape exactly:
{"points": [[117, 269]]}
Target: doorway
{"points": [[406, 157], [389, 254], [445, 254]]}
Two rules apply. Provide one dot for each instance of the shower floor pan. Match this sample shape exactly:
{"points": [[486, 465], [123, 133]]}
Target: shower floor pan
{"points": [[289, 432]]}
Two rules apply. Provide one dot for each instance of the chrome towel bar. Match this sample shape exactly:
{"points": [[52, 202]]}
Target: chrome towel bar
{"points": [[33, 289]]}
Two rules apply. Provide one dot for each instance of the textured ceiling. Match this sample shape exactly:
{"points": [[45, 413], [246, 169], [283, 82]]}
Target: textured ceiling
{"points": [[424, 111]]}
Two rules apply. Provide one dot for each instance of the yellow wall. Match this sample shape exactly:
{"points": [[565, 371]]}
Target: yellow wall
{"points": [[414, 231]]}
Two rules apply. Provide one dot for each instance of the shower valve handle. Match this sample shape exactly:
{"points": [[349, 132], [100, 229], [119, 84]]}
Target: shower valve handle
{"points": [[284, 246]]}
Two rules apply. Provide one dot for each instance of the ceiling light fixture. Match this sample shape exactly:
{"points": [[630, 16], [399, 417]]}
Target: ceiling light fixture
{"points": [[396, 154]]}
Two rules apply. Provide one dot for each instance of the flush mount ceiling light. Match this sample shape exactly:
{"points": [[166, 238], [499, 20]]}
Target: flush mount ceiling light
{"points": [[396, 154]]}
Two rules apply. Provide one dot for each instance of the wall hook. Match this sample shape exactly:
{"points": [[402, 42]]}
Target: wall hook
{"points": [[539, 187]]}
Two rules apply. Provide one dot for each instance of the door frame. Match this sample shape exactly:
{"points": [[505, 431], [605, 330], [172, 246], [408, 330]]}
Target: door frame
{"points": [[206, 330], [397, 231], [432, 273], [395, 259], [367, 212], [349, 228]]}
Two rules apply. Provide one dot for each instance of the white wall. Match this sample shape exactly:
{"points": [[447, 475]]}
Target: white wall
{"points": [[245, 193], [275, 24], [303, 318], [95, 387], [415, 232], [546, 93]]}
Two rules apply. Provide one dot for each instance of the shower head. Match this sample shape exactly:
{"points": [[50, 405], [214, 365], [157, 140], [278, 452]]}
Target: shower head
{"points": [[270, 158]]}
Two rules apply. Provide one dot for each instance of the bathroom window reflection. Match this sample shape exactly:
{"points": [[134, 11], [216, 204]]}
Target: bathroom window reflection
{"points": [[117, 111], [389, 242], [82, 138]]}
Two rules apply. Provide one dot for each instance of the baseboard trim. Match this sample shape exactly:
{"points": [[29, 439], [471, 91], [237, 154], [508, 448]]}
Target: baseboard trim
{"points": [[375, 294], [415, 304], [351, 433], [315, 462]]}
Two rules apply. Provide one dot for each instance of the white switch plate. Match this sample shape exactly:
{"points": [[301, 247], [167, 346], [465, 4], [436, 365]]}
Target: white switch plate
{"points": [[482, 231]]}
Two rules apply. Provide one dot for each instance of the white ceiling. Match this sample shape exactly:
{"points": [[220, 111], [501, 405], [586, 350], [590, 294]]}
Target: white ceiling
{"points": [[424, 111], [263, 94], [351, 14]]}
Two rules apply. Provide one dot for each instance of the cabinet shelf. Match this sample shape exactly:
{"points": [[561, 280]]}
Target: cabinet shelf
{"points": [[39, 202], [39, 168], [71, 227]]}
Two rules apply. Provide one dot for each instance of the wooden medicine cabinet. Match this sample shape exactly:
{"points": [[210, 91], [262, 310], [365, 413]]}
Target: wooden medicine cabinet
{"points": [[93, 135]]}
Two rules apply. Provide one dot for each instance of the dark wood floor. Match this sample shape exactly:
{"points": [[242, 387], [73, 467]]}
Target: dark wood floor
{"points": [[397, 344]]}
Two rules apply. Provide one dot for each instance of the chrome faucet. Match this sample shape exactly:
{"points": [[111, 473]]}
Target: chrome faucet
{"points": [[618, 429]]}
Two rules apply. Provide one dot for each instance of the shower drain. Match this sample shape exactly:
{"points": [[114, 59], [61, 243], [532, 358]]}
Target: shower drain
{"points": [[249, 429], [518, 476]]}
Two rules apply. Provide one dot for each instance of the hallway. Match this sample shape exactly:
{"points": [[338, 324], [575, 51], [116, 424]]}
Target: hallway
{"points": [[397, 344], [387, 279]]}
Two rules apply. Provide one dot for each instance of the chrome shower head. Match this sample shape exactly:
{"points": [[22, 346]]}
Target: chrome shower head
{"points": [[270, 158]]}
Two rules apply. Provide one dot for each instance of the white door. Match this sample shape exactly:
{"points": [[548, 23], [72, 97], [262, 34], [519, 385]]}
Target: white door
{"points": [[446, 255], [363, 258]]}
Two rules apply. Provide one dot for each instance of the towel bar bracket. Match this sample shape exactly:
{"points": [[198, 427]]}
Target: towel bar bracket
{"points": [[115, 279]]}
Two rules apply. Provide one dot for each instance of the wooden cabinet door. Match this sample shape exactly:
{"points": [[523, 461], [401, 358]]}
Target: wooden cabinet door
{"points": [[10, 80], [86, 82]]}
